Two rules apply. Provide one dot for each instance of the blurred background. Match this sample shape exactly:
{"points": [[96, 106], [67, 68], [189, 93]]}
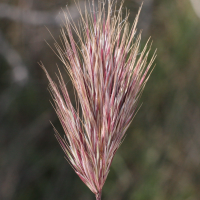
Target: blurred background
{"points": [[160, 157]]}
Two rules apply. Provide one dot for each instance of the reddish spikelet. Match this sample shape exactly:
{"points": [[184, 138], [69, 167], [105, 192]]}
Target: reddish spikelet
{"points": [[108, 73]]}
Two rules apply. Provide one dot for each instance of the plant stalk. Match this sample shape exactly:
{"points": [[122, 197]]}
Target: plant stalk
{"points": [[98, 196]]}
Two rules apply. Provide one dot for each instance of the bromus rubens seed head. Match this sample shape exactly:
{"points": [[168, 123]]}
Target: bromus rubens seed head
{"points": [[108, 72]]}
